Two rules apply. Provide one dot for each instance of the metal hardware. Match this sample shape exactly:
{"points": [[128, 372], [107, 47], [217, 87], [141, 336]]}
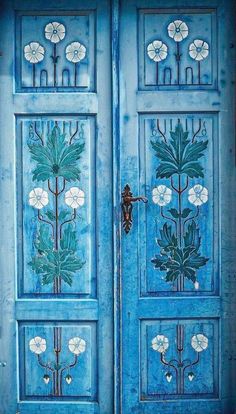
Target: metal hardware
{"points": [[127, 207]]}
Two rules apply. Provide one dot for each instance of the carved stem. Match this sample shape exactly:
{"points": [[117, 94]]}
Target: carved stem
{"points": [[54, 64], [157, 74], [75, 74], [180, 281], [178, 62], [57, 350], [47, 222], [57, 281], [67, 221], [34, 76]]}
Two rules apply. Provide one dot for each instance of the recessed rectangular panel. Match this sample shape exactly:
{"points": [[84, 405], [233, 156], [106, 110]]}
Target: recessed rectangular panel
{"points": [[56, 206], [55, 52], [177, 49], [179, 359], [178, 227], [58, 361]]}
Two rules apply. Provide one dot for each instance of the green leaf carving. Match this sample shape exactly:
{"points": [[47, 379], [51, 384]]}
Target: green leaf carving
{"points": [[63, 214], [69, 241], [168, 240], [52, 264], [180, 156], [191, 237], [186, 212], [57, 158], [43, 242], [50, 214], [177, 260], [174, 212]]}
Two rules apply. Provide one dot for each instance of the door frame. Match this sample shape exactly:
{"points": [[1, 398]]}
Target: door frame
{"points": [[116, 189]]}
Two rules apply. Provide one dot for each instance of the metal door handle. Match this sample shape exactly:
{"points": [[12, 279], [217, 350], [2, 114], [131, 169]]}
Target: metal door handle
{"points": [[127, 207]]}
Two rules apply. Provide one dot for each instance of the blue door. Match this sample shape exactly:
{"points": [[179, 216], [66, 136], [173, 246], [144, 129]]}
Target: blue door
{"points": [[56, 255], [117, 191], [177, 154]]}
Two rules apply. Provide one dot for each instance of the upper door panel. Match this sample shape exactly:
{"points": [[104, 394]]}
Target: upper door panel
{"points": [[55, 51], [177, 53]]}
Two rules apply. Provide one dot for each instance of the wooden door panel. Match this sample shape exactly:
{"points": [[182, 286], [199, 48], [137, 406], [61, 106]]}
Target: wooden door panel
{"points": [[77, 378], [192, 379], [165, 195], [176, 111], [56, 66], [56, 213], [58, 291], [189, 70]]}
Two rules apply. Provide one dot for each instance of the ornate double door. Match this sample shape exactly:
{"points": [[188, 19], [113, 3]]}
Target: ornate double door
{"points": [[118, 230]]}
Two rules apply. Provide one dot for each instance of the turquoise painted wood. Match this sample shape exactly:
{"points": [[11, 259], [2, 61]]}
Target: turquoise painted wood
{"points": [[56, 260], [95, 95], [177, 149]]}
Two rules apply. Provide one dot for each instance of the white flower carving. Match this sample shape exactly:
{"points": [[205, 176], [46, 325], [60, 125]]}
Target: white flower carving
{"points": [[161, 195], [77, 345], [157, 50], [37, 345], [55, 32], [199, 342], [34, 52], [75, 52], [198, 195], [198, 50], [38, 198], [160, 343], [74, 197], [178, 30]]}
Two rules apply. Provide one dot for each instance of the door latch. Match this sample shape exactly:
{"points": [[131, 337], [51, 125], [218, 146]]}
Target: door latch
{"points": [[127, 207]]}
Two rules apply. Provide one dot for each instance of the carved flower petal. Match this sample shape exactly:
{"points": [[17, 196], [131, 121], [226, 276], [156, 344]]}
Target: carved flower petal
{"points": [[198, 42], [37, 345], [75, 52], [77, 345], [38, 198], [55, 32], [178, 30], [198, 195], [161, 195], [157, 50], [199, 342], [160, 343], [198, 50], [74, 197], [34, 52]]}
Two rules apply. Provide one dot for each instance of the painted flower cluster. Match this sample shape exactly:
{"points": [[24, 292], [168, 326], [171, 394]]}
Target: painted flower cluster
{"points": [[74, 198], [38, 345], [55, 32], [160, 343], [178, 365], [180, 241], [178, 31], [56, 162]]}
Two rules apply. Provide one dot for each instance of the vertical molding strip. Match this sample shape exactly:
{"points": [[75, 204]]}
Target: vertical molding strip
{"points": [[116, 202]]}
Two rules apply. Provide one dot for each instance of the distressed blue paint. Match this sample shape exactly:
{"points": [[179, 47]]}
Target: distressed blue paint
{"points": [[116, 204], [86, 310], [149, 305], [80, 27], [146, 306]]}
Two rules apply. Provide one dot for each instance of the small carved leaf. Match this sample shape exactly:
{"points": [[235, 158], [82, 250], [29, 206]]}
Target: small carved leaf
{"points": [[186, 212], [174, 212], [63, 214], [50, 215]]}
